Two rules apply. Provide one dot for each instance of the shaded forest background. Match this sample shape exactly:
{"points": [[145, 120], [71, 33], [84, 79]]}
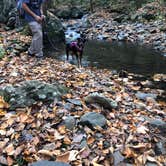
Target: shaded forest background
{"points": [[93, 4]]}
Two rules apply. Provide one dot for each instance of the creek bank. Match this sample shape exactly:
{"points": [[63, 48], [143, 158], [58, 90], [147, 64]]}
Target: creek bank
{"points": [[64, 128], [54, 132], [102, 26]]}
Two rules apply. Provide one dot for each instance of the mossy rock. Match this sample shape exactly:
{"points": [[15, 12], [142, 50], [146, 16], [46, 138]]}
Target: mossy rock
{"points": [[29, 92], [2, 52], [53, 29]]}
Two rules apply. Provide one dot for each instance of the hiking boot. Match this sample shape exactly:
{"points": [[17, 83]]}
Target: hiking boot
{"points": [[29, 54]]}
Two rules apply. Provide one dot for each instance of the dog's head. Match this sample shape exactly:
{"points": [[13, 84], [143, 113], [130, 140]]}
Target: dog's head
{"points": [[81, 40]]}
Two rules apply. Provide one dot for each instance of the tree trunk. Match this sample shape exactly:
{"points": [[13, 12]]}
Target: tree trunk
{"points": [[91, 6]]}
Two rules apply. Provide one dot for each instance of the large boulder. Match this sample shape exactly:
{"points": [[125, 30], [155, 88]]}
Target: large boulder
{"points": [[5, 7], [11, 22], [30, 92], [53, 29]]}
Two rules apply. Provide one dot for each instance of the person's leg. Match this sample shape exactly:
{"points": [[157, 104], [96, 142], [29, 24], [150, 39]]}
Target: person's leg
{"points": [[37, 39]]}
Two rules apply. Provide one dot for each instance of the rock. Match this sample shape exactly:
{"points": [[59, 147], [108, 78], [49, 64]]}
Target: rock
{"points": [[148, 16], [75, 102], [144, 96], [161, 125], [68, 106], [49, 163], [93, 119], [5, 7], [50, 146], [25, 136], [53, 30], [163, 28], [76, 13], [70, 122], [29, 92], [11, 22], [118, 158], [151, 164], [160, 148], [123, 74], [86, 23], [122, 36], [96, 98], [2, 52], [120, 18]]}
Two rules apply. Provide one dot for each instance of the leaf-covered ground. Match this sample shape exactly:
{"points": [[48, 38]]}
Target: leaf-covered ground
{"points": [[38, 132]]}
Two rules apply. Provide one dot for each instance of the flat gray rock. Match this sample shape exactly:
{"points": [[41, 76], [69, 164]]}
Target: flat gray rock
{"points": [[143, 96], [93, 119], [49, 163], [70, 122], [160, 124], [96, 98]]}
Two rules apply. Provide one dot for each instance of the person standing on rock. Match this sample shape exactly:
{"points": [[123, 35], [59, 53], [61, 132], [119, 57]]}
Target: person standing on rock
{"points": [[34, 16]]}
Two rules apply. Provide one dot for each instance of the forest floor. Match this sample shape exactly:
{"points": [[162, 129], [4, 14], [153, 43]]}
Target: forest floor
{"points": [[134, 133]]}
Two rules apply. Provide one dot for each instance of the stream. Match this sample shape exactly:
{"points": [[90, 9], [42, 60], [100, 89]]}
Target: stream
{"points": [[119, 55]]}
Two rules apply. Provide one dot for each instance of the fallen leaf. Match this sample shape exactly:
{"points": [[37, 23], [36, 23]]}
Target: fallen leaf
{"points": [[85, 152], [10, 161], [9, 150], [62, 129], [67, 141], [129, 153], [45, 152], [63, 158], [90, 140], [142, 130], [3, 104]]}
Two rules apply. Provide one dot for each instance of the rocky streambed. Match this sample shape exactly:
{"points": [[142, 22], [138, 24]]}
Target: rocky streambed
{"points": [[106, 118], [102, 26]]}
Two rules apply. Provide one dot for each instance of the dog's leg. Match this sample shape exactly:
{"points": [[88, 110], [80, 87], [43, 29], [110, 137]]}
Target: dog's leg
{"points": [[67, 54], [77, 58], [67, 51], [80, 58]]}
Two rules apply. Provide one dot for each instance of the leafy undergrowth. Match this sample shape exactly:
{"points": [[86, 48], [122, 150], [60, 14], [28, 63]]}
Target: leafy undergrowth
{"points": [[38, 132]]}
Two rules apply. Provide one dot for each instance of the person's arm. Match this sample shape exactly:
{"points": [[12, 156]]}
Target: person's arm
{"points": [[30, 12], [42, 10], [42, 13]]}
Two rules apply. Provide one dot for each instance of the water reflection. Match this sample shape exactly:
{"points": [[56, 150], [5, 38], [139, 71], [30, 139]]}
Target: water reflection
{"points": [[133, 58], [117, 56]]}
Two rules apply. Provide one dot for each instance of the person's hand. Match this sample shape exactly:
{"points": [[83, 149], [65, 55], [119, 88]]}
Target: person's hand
{"points": [[38, 19], [43, 17]]}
